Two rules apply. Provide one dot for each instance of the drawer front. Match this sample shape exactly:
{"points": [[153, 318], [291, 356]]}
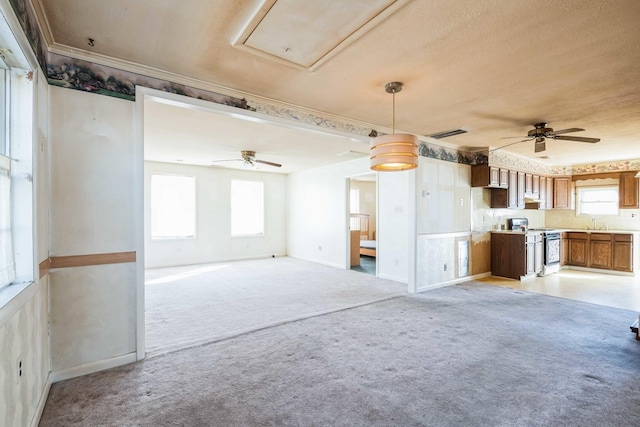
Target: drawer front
{"points": [[601, 237], [577, 236], [623, 237]]}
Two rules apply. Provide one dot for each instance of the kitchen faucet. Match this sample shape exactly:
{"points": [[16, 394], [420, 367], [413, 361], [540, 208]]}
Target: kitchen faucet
{"points": [[594, 221]]}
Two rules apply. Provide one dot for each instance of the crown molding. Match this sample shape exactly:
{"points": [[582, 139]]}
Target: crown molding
{"points": [[43, 22]]}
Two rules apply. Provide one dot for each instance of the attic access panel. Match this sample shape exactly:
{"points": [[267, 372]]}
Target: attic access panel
{"points": [[305, 34]]}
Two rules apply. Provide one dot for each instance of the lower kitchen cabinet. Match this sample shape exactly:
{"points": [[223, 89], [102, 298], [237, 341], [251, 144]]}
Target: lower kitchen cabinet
{"points": [[516, 255], [600, 253], [578, 249], [607, 251], [623, 252]]}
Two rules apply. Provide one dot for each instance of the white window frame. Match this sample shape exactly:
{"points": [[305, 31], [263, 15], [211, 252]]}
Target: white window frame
{"points": [[256, 212], [7, 260], [580, 196], [184, 198]]}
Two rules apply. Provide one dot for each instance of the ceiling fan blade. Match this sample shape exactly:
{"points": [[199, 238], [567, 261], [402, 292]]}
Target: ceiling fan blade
{"points": [[268, 163], [513, 143], [540, 146], [561, 131], [577, 138], [511, 137], [227, 160]]}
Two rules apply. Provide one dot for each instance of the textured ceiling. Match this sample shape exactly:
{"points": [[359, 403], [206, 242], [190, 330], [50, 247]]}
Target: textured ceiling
{"points": [[492, 67]]}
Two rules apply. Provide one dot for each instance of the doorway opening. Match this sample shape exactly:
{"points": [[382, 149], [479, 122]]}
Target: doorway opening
{"points": [[363, 223]]}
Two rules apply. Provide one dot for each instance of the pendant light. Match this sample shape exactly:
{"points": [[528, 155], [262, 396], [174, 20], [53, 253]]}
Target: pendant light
{"points": [[394, 152]]}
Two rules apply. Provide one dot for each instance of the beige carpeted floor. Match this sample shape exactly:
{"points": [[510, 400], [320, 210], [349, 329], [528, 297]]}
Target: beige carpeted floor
{"points": [[190, 305], [464, 355]]}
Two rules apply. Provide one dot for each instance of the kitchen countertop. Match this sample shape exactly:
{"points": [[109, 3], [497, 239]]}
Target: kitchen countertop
{"points": [[572, 230]]}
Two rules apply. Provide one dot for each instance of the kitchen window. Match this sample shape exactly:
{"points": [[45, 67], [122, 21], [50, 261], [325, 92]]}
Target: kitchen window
{"points": [[598, 200]]}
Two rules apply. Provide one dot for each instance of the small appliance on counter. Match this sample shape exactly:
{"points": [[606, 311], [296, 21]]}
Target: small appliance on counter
{"points": [[517, 224], [550, 242]]}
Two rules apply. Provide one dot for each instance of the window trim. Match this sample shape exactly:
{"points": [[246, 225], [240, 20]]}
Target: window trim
{"points": [[580, 190]]}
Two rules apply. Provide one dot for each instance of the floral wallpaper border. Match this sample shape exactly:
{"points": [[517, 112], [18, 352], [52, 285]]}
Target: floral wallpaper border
{"points": [[86, 76], [507, 160]]}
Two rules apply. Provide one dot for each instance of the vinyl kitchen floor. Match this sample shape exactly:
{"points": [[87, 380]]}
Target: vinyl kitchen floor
{"points": [[596, 288]]}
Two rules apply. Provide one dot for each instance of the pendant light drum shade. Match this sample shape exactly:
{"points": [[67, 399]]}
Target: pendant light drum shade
{"points": [[395, 152]]}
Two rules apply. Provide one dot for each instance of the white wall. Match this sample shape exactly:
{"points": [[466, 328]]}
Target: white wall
{"points": [[213, 240], [444, 219], [318, 218], [444, 197], [93, 309], [395, 254]]}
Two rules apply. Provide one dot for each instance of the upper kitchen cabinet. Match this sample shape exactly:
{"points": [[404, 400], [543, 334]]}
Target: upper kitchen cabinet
{"points": [[562, 192], [488, 176], [628, 191]]}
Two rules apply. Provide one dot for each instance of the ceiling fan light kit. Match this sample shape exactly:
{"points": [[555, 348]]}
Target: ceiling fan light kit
{"points": [[394, 152]]}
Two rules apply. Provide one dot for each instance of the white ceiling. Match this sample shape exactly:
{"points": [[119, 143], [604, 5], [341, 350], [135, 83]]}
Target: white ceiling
{"points": [[492, 67]]}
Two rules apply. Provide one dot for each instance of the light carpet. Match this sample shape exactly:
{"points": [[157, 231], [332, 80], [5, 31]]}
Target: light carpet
{"points": [[464, 355], [191, 305]]}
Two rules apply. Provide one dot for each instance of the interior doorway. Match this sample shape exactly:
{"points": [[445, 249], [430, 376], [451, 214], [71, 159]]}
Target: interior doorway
{"points": [[363, 223]]}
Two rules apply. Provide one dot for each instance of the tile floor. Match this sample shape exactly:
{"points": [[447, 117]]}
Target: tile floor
{"points": [[604, 289]]}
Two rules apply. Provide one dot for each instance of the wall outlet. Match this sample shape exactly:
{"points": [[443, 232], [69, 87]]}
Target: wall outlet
{"points": [[19, 369]]}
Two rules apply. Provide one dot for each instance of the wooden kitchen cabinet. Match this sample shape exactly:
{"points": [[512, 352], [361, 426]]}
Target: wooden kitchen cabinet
{"points": [[607, 251], [521, 189], [600, 251], [535, 253], [516, 255], [512, 199], [578, 253], [535, 188], [562, 192], [499, 198], [504, 178], [487, 176], [628, 191], [542, 185], [549, 202], [528, 183], [623, 252]]}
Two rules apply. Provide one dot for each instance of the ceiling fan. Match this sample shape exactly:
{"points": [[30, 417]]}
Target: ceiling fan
{"points": [[249, 159], [541, 132]]}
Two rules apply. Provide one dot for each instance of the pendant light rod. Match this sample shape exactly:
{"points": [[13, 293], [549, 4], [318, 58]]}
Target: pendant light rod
{"points": [[393, 88], [394, 152]]}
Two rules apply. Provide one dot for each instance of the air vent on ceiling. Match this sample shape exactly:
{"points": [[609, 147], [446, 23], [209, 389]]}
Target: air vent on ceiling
{"points": [[447, 133]]}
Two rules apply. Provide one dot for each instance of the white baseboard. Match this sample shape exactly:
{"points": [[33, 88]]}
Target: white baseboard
{"points": [[317, 261], [395, 279], [90, 368], [453, 282], [35, 421], [597, 270]]}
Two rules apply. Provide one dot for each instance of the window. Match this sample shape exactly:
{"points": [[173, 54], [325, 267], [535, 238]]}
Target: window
{"points": [[173, 206], [598, 200], [247, 208], [7, 264]]}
